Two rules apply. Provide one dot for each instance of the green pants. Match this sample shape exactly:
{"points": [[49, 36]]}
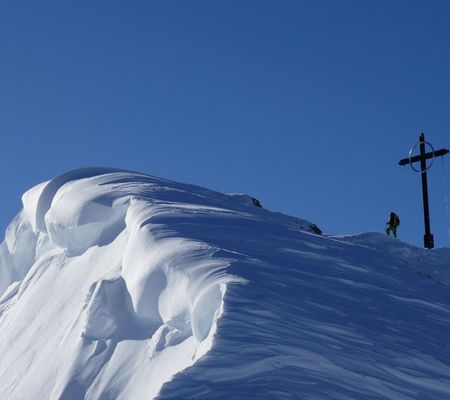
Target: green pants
{"points": [[393, 229]]}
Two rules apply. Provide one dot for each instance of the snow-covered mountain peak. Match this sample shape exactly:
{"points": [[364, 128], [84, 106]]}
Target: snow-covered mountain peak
{"points": [[114, 282]]}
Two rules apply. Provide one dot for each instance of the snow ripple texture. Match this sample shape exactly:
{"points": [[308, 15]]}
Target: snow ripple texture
{"points": [[120, 285]]}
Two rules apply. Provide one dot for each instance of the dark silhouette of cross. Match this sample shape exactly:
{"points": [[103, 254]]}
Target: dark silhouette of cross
{"points": [[428, 238]]}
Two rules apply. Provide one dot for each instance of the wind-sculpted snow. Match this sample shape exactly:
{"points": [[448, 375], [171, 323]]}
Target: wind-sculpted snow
{"points": [[120, 285]]}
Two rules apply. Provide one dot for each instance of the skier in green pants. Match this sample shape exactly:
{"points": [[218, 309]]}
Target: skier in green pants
{"points": [[394, 221]]}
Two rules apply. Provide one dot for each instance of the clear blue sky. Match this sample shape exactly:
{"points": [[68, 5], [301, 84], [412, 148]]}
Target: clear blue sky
{"points": [[307, 105]]}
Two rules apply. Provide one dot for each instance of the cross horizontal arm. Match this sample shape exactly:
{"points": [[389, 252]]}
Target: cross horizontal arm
{"points": [[411, 160]]}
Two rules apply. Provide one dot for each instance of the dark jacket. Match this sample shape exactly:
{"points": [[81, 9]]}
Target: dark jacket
{"points": [[394, 220]]}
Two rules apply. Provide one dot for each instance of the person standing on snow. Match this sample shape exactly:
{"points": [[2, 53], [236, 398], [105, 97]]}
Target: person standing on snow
{"points": [[394, 221]]}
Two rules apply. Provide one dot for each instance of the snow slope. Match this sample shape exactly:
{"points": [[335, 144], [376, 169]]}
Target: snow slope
{"points": [[120, 285]]}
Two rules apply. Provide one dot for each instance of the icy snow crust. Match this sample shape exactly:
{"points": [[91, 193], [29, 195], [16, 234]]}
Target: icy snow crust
{"points": [[112, 283]]}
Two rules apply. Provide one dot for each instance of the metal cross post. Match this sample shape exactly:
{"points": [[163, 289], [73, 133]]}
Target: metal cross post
{"points": [[423, 157]]}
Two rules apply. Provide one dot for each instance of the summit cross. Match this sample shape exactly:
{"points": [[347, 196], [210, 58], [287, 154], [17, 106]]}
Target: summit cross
{"points": [[428, 238]]}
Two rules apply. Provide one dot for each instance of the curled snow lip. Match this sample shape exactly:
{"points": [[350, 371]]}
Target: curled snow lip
{"points": [[51, 188]]}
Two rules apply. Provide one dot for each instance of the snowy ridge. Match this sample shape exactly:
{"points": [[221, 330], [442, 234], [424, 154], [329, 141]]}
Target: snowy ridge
{"points": [[94, 253], [115, 282]]}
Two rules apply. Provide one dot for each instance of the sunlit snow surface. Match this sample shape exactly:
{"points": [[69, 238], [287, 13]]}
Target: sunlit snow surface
{"points": [[118, 285]]}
